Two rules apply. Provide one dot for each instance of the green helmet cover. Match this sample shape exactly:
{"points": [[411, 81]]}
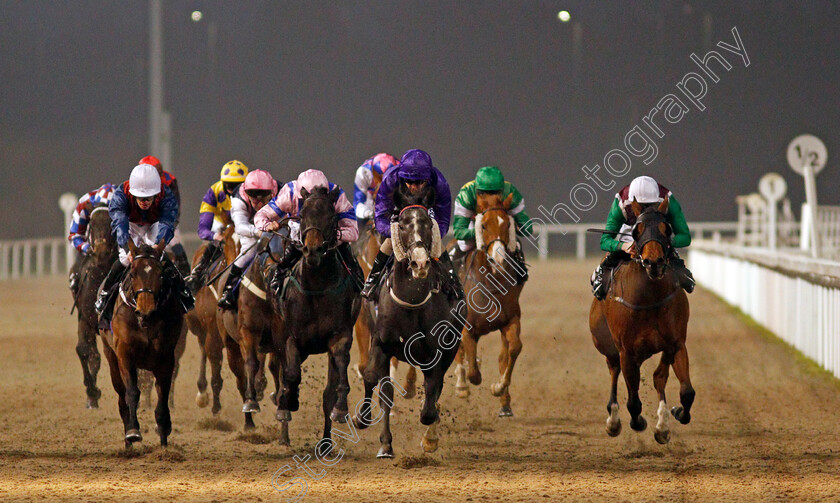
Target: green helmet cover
{"points": [[489, 179]]}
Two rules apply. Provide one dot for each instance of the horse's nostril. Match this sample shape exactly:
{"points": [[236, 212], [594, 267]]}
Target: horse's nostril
{"points": [[413, 264]]}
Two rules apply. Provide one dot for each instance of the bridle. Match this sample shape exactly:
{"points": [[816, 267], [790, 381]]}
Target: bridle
{"points": [[329, 238], [651, 233], [132, 302], [499, 239]]}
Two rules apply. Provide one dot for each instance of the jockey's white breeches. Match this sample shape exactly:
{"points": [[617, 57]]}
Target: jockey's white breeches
{"points": [[140, 234]]}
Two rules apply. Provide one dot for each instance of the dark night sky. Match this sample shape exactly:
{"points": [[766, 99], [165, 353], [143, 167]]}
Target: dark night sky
{"points": [[296, 85]]}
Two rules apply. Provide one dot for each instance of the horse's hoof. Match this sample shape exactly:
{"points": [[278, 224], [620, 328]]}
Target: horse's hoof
{"points": [[202, 399], [250, 406], [358, 371], [429, 445], [215, 408], [359, 424], [410, 390], [498, 389], [663, 437], [680, 414], [92, 403], [385, 452], [133, 436], [613, 429], [463, 392], [475, 378], [505, 411], [638, 424], [273, 397], [338, 416], [284, 416]]}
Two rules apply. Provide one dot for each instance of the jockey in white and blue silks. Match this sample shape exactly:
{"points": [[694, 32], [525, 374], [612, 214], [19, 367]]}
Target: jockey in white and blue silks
{"points": [[368, 177], [78, 225]]}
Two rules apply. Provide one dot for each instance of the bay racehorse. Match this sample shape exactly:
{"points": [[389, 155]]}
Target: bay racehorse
{"points": [[490, 278], [145, 329], [417, 322], [319, 306], [365, 250], [92, 270], [645, 312], [247, 333]]}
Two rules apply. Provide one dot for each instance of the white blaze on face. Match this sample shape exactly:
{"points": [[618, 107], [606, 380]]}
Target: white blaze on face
{"points": [[419, 261], [497, 252], [147, 269]]}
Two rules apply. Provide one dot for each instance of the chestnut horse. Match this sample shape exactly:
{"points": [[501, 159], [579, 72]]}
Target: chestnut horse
{"points": [[145, 329], [490, 278], [365, 250], [93, 268], [645, 312]]}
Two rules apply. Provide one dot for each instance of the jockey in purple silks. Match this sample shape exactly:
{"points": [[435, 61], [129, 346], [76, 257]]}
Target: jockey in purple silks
{"points": [[413, 174]]}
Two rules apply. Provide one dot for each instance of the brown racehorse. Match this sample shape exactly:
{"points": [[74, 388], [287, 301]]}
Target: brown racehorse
{"points": [[365, 251], [489, 271], [202, 322], [145, 329], [92, 270], [645, 312], [251, 326]]}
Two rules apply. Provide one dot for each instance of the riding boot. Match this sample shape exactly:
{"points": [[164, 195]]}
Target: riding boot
{"points": [[291, 255], [229, 295], [610, 262], [177, 282], [181, 260], [196, 278], [358, 276], [374, 275], [684, 276], [450, 277], [521, 267], [105, 302], [73, 280]]}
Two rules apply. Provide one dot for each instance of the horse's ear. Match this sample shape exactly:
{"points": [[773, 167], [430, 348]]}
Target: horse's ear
{"points": [[304, 193], [663, 206], [334, 194], [399, 197], [428, 198], [159, 248], [636, 207], [508, 201], [132, 247]]}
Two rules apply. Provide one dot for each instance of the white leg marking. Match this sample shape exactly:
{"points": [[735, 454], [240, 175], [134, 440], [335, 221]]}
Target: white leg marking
{"points": [[613, 418], [662, 414]]}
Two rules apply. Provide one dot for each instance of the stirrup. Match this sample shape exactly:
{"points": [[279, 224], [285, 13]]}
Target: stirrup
{"points": [[227, 300]]}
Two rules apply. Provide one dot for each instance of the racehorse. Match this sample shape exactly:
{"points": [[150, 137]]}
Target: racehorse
{"points": [[247, 334], [319, 306], [490, 277], [202, 322], [411, 302], [93, 268], [365, 250], [145, 329], [645, 312]]}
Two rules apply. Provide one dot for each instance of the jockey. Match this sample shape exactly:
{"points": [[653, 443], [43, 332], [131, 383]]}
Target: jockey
{"points": [[214, 214], [488, 180], [288, 203], [78, 227], [645, 190], [414, 173], [368, 177], [168, 180], [255, 192], [144, 210]]}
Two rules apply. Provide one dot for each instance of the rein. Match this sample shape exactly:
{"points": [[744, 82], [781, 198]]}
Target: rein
{"points": [[132, 301]]}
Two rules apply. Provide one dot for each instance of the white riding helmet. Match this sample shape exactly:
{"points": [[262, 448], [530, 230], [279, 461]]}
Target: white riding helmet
{"points": [[144, 181], [645, 190]]}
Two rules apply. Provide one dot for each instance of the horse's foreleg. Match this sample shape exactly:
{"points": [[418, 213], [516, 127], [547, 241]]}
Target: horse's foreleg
{"points": [[683, 412], [119, 387], [362, 331], [376, 370], [201, 398], [274, 366], [662, 433], [462, 389], [330, 395], [260, 382], [386, 400], [252, 365], [128, 373], [237, 366], [215, 353], [430, 415], [89, 358], [288, 401], [340, 355], [511, 347], [630, 368], [163, 385], [613, 420], [410, 382], [468, 344]]}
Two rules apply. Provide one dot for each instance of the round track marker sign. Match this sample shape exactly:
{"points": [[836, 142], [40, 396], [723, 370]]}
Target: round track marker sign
{"points": [[807, 150], [772, 186]]}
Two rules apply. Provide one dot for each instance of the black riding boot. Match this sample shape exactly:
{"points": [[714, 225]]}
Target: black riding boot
{"points": [[521, 267], [181, 260], [291, 255], [358, 276], [610, 262], [450, 277], [196, 278], [105, 302], [73, 280], [177, 282], [229, 294], [683, 274], [374, 275]]}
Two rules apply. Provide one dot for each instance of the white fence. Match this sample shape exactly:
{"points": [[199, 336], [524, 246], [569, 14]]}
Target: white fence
{"points": [[792, 295]]}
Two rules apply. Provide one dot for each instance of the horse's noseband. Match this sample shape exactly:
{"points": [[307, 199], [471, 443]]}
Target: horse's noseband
{"points": [[135, 293], [651, 233]]}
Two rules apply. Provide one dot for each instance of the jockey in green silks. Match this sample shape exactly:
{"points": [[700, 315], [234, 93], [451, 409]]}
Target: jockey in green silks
{"points": [[488, 179], [646, 191]]}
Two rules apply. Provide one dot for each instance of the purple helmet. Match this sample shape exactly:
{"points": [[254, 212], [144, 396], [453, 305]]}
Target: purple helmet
{"points": [[416, 165]]}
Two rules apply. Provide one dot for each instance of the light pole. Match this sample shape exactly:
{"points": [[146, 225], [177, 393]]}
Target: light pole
{"points": [[160, 122]]}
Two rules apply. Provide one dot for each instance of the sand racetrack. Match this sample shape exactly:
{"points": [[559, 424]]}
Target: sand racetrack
{"points": [[763, 425]]}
